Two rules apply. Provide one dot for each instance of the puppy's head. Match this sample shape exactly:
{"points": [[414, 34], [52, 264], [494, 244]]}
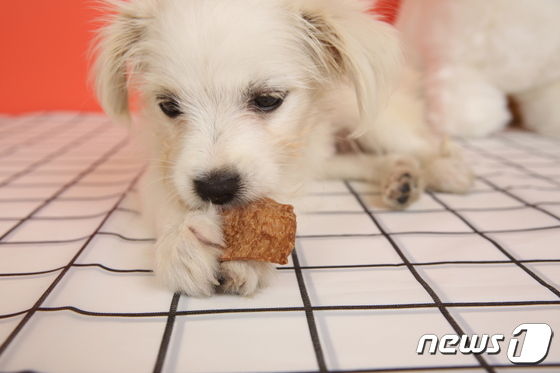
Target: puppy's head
{"points": [[230, 89]]}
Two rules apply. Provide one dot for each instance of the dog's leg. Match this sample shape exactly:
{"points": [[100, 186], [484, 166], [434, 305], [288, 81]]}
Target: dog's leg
{"points": [[187, 253], [186, 250], [397, 176]]}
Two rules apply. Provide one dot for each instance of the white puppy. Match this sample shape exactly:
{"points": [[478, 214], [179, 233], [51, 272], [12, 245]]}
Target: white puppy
{"points": [[242, 99], [476, 53]]}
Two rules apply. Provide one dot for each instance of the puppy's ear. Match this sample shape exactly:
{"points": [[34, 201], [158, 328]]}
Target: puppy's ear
{"points": [[348, 43], [117, 52]]}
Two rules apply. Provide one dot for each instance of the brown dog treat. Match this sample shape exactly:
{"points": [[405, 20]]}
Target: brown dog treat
{"points": [[263, 230]]}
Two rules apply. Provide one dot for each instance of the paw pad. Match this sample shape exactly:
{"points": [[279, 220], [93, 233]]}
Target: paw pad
{"points": [[402, 189]]}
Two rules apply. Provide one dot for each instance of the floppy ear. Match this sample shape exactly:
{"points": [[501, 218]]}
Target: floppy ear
{"points": [[348, 43], [117, 53]]}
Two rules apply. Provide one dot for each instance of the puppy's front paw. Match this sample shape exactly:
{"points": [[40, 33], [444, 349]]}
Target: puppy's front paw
{"points": [[403, 185], [244, 277], [186, 264]]}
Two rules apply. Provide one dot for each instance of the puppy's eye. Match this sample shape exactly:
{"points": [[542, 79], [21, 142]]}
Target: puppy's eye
{"points": [[170, 107], [267, 103]]}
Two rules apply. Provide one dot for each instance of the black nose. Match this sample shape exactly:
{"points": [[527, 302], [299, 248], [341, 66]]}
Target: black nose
{"points": [[218, 187]]}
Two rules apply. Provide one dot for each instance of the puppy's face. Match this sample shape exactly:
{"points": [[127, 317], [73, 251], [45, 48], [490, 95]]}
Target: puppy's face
{"points": [[231, 88], [226, 87]]}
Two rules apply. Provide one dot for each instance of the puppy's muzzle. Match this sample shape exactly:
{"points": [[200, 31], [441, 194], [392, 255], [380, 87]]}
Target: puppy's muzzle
{"points": [[218, 187]]}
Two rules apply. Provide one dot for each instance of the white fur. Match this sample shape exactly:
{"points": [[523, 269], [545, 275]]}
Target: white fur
{"points": [[338, 66], [476, 52]]}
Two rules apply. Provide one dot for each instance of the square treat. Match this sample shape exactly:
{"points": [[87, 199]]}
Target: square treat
{"points": [[263, 231]]}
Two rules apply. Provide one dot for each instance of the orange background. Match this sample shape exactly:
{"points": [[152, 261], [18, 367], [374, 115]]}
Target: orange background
{"points": [[45, 46], [44, 55]]}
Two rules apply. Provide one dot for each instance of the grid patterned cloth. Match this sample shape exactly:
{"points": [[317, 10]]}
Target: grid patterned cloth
{"points": [[77, 293]]}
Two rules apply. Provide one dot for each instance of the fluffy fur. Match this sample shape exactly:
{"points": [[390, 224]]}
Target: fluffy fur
{"points": [[477, 52], [336, 68]]}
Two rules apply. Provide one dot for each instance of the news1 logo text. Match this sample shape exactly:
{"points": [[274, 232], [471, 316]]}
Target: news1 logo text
{"points": [[532, 350]]}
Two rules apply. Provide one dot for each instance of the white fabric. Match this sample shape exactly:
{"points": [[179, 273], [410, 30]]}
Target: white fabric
{"points": [[77, 293]]}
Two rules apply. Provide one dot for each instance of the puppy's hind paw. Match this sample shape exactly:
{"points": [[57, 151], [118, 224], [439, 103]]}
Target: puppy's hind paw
{"points": [[244, 277], [403, 187]]}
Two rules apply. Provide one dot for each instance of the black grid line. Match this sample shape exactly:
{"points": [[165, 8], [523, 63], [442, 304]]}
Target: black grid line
{"points": [[57, 280], [166, 339], [311, 236], [66, 217], [92, 198], [123, 237], [424, 211], [525, 205], [443, 310], [356, 307], [289, 268], [42, 242], [98, 265], [85, 184], [311, 324], [451, 233]]}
